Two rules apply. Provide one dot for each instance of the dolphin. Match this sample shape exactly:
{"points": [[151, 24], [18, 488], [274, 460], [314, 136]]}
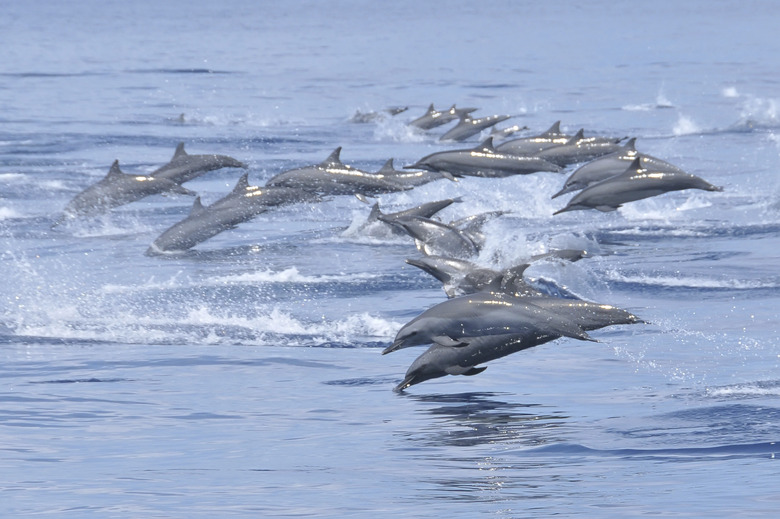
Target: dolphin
{"points": [[579, 149], [433, 118], [371, 116], [636, 183], [479, 314], [116, 189], [460, 277], [184, 167], [432, 237], [530, 145], [426, 210], [468, 126], [411, 178], [332, 177], [504, 133], [483, 161], [461, 357], [611, 165], [242, 204]]}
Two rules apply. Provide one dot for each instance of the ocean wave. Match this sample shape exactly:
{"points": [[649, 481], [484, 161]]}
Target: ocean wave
{"points": [[746, 390], [688, 281]]}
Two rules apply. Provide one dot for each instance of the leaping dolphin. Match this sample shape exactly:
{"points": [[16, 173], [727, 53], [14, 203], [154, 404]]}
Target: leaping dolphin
{"points": [[483, 161], [480, 314], [242, 204], [184, 167], [611, 165], [579, 149], [462, 356], [432, 237], [636, 183], [116, 189], [333, 177], [433, 118], [468, 126]]}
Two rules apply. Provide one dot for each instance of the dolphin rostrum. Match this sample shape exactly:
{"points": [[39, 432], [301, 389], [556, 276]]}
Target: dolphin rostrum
{"points": [[483, 161], [116, 189], [184, 167], [242, 204], [635, 183], [333, 177], [611, 165]]}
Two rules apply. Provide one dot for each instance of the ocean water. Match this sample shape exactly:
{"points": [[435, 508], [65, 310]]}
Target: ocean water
{"points": [[244, 377]]}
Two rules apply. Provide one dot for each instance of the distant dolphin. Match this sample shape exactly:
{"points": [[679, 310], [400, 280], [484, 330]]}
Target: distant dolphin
{"points": [[483, 161], [504, 133], [184, 167], [479, 314], [531, 145], [242, 204], [117, 189], [461, 356], [611, 165], [579, 149], [433, 118], [468, 126], [368, 117], [636, 183], [411, 178], [333, 177], [460, 277]]}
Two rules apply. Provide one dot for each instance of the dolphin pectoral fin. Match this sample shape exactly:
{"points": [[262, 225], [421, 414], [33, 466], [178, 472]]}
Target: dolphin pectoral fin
{"points": [[446, 340], [448, 176], [607, 208], [474, 371], [363, 198]]}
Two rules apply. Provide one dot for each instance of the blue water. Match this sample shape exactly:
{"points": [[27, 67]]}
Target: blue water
{"points": [[244, 378]]}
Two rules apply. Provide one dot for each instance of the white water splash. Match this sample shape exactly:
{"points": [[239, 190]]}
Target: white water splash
{"points": [[685, 126]]}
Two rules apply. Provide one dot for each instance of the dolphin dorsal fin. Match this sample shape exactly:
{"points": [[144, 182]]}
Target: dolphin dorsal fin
{"points": [[375, 213], [179, 151], [555, 129], [487, 145], [577, 137], [431, 109], [630, 144], [333, 158], [197, 207], [387, 168], [242, 184], [114, 171]]}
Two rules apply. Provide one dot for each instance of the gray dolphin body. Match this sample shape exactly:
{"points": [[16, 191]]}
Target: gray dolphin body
{"points": [[410, 177], [432, 237], [461, 357], [242, 204], [611, 165], [468, 126], [579, 149], [433, 118], [636, 183], [480, 314], [460, 277], [531, 145], [116, 189], [483, 161], [388, 220], [333, 177], [184, 167]]}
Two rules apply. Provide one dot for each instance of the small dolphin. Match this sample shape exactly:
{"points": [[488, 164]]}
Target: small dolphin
{"points": [[636, 183], [426, 210], [579, 149], [432, 237], [480, 314], [442, 359], [504, 133], [116, 189], [468, 126], [371, 116], [411, 178], [611, 165], [242, 204], [433, 118], [531, 145], [483, 161], [184, 167], [460, 277], [333, 177]]}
